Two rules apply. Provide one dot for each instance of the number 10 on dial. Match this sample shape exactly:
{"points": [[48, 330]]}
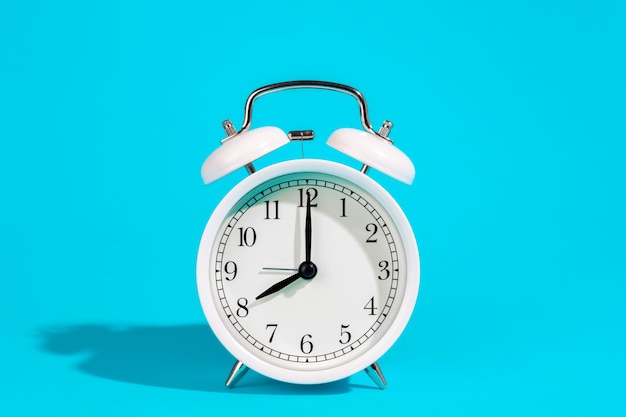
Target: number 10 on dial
{"points": [[308, 271]]}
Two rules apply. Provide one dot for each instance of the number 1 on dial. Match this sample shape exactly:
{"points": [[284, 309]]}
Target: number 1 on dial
{"points": [[343, 207]]}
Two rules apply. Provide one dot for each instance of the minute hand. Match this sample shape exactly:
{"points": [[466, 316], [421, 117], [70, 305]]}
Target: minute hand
{"points": [[307, 229], [280, 285]]}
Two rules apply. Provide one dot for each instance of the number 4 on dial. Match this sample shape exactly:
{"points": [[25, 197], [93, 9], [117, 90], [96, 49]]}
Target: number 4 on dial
{"points": [[371, 307]]}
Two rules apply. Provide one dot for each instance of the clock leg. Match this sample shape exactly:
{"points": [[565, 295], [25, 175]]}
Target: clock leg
{"points": [[374, 372], [238, 371]]}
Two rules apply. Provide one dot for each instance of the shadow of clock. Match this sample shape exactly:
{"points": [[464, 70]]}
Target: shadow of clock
{"points": [[186, 357]]}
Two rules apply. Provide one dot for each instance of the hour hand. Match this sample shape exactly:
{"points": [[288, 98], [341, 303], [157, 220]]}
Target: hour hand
{"points": [[306, 270], [280, 285]]}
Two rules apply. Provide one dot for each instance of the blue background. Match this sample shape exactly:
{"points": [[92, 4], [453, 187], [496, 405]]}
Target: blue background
{"points": [[512, 113]]}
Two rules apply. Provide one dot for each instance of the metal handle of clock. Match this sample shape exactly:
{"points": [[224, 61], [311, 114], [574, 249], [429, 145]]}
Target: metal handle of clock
{"points": [[312, 84]]}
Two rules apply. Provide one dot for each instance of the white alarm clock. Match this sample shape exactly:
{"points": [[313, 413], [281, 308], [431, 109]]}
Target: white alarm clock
{"points": [[307, 270]]}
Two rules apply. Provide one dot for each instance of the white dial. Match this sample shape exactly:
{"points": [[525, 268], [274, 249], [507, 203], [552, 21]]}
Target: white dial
{"points": [[304, 273]]}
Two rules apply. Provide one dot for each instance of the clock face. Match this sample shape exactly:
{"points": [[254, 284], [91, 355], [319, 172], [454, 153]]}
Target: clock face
{"points": [[307, 272]]}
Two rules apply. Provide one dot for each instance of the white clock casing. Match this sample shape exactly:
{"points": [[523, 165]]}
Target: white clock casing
{"points": [[325, 328]]}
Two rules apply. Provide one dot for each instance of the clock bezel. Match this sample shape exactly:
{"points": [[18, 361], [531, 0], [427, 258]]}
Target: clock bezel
{"points": [[242, 352]]}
